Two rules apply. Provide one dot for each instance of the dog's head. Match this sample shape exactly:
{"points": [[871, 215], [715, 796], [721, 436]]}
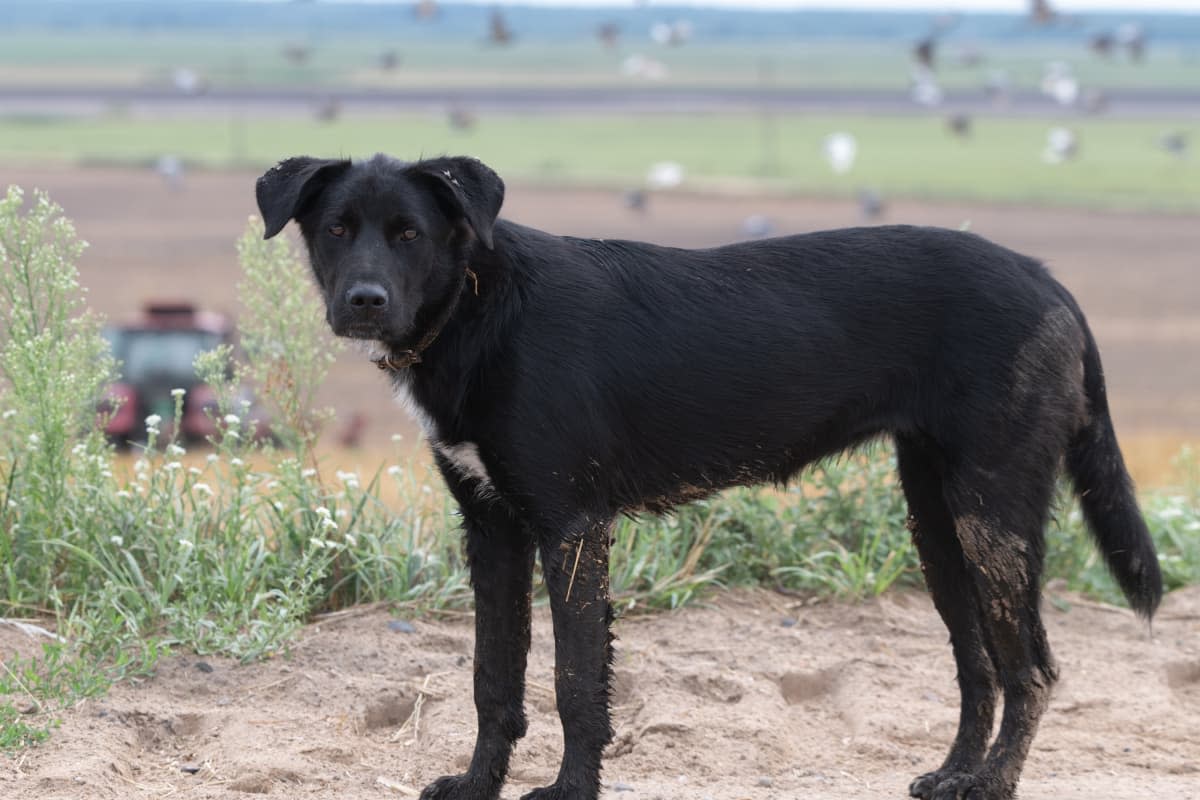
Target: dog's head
{"points": [[388, 240]]}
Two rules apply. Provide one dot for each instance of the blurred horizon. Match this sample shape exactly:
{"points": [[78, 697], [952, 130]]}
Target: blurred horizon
{"points": [[1058, 130], [1003, 6]]}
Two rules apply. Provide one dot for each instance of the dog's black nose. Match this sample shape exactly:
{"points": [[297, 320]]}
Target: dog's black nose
{"points": [[367, 297]]}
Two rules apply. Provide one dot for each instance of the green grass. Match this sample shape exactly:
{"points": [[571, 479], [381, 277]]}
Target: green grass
{"points": [[114, 58], [1120, 163]]}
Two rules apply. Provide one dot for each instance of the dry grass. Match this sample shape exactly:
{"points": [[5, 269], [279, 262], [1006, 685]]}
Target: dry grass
{"points": [[1150, 456]]}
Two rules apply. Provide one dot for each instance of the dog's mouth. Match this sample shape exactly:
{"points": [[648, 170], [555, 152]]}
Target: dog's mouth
{"points": [[348, 327], [360, 331], [384, 327]]}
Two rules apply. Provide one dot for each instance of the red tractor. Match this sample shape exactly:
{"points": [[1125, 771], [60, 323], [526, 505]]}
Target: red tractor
{"points": [[156, 352]]}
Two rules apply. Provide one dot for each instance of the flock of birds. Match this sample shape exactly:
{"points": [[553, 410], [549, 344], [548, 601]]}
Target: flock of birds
{"points": [[840, 149]]}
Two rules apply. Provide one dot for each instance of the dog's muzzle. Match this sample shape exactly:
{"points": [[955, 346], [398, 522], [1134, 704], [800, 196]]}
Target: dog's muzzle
{"points": [[363, 311]]}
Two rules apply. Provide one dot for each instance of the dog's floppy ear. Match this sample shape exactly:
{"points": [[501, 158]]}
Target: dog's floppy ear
{"points": [[284, 189], [467, 189]]}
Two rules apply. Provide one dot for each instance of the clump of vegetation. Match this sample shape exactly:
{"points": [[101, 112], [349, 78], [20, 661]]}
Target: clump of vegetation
{"points": [[232, 549], [227, 551]]}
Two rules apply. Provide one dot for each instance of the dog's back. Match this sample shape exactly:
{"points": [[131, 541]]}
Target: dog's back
{"points": [[806, 344]]}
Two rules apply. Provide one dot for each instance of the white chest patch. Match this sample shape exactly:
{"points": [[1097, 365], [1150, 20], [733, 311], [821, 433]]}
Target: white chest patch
{"points": [[408, 402], [465, 458]]}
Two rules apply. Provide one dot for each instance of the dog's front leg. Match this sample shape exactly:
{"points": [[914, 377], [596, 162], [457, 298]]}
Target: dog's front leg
{"points": [[501, 559], [576, 575]]}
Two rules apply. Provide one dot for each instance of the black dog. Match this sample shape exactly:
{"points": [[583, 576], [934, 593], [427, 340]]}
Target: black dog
{"points": [[563, 381]]}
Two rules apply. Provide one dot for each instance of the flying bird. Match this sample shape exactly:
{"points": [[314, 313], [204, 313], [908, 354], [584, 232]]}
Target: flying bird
{"points": [[498, 30], [959, 124], [1041, 12], [1176, 143]]}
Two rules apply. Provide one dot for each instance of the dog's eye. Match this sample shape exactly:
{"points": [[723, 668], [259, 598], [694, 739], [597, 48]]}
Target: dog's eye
{"points": [[337, 230], [409, 234]]}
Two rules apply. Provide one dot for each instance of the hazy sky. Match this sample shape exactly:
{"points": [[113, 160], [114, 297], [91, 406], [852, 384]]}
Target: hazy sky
{"points": [[948, 5]]}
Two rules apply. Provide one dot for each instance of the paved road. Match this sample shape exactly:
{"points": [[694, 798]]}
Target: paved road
{"points": [[300, 100]]}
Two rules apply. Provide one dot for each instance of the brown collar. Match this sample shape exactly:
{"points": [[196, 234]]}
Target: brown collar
{"points": [[411, 356]]}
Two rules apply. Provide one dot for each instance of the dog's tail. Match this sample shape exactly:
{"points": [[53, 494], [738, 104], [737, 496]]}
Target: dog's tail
{"points": [[1106, 493]]}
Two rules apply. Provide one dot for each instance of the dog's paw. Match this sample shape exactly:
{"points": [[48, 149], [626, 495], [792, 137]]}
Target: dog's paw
{"points": [[947, 784], [458, 787], [923, 785], [558, 792]]}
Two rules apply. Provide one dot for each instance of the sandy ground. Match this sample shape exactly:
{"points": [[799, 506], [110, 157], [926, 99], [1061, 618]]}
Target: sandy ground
{"points": [[755, 697]]}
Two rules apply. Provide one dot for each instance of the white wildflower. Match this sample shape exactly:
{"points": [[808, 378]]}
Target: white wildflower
{"points": [[117, 540], [193, 470], [308, 473], [171, 466], [351, 540], [318, 544], [177, 392], [203, 488], [212, 458], [236, 462], [232, 419], [394, 471], [9, 414], [175, 450], [186, 544], [153, 421], [122, 494], [328, 524]]}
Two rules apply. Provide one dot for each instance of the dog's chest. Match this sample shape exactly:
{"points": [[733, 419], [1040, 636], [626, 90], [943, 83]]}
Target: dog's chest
{"points": [[463, 456], [408, 402]]}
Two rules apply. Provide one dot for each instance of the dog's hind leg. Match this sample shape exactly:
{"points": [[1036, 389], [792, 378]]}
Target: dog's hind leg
{"points": [[575, 567], [999, 515], [954, 596], [501, 556]]}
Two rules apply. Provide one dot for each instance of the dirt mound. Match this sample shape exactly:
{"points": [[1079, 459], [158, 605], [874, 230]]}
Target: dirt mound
{"points": [[755, 696]]}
